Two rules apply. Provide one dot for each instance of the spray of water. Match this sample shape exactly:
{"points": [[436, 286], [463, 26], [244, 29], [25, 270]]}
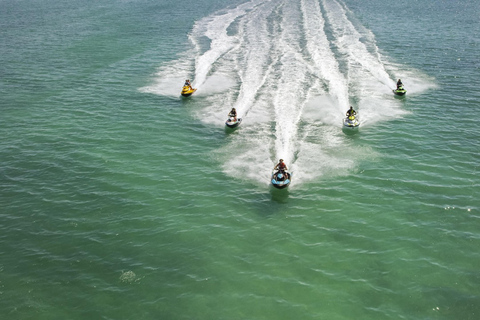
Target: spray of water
{"points": [[291, 69]]}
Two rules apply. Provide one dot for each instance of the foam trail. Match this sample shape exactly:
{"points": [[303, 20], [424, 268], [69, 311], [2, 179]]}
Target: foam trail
{"points": [[215, 28], [323, 58], [170, 77], [253, 65], [290, 68], [367, 77], [292, 84], [349, 42]]}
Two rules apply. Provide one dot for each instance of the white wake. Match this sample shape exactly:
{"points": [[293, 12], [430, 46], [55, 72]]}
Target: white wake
{"points": [[291, 69]]}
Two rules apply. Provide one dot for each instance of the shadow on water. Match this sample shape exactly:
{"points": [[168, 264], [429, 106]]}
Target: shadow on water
{"points": [[396, 96], [279, 195], [273, 203], [229, 130], [350, 131]]}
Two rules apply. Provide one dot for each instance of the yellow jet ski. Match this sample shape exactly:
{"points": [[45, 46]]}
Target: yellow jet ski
{"points": [[188, 91]]}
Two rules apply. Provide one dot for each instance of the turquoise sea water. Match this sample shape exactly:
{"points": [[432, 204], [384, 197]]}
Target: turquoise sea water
{"points": [[121, 200]]}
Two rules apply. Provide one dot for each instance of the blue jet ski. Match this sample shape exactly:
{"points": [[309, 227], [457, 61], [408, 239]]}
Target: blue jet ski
{"points": [[281, 179]]}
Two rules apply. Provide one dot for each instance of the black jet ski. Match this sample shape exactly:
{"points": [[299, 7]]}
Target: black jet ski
{"points": [[232, 122], [400, 91], [281, 179]]}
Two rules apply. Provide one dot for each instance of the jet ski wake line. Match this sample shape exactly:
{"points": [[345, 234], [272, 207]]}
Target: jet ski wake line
{"points": [[271, 61]]}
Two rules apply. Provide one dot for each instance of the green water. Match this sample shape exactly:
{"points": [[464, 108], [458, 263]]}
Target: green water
{"points": [[121, 200]]}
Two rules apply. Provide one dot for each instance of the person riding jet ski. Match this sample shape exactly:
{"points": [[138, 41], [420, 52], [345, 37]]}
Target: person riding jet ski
{"points": [[399, 84], [281, 166], [233, 114], [187, 83], [351, 112]]}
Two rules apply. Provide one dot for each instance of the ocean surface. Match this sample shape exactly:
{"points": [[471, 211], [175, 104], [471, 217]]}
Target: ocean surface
{"points": [[119, 199]]}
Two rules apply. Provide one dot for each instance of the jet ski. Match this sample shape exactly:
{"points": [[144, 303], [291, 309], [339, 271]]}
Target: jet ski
{"points": [[187, 91], [400, 91], [232, 122], [351, 122], [281, 179]]}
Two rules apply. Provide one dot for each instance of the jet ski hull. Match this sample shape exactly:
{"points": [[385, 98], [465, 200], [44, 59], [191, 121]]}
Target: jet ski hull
{"points": [[188, 91], [399, 92], [351, 123], [281, 182], [233, 123]]}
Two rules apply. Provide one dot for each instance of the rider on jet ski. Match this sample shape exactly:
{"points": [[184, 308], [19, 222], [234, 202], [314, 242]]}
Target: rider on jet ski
{"points": [[187, 83], [233, 113], [281, 166], [351, 112], [399, 84]]}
